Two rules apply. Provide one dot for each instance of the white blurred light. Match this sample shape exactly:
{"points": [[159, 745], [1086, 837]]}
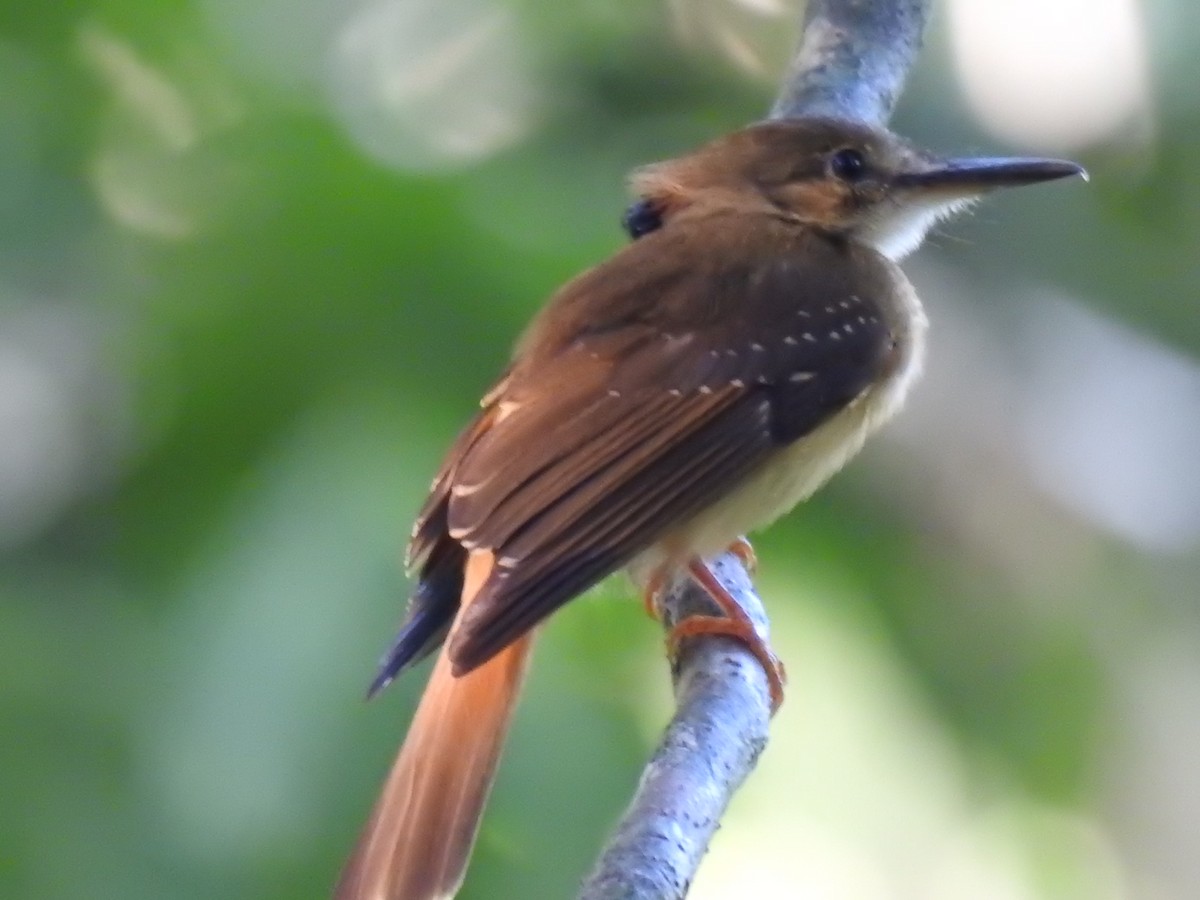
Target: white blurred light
{"points": [[63, 422], [426, 84], [754, 35], [1017, 850], [162, 124], [799, 858], [138, 86], [1157, 789], [39, 446], [767, 7], [1112, 423], [1055, 74], [151, 123]]}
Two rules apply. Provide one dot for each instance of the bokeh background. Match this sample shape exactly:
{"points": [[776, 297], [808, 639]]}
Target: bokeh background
{"points": [[259, 258]]}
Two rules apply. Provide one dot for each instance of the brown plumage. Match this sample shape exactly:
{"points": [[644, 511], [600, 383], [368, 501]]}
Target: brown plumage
{"points": [[693, 387], [419, 836]]}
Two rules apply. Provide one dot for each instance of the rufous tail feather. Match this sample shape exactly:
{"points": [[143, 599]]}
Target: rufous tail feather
{"points": [[419, 837]]}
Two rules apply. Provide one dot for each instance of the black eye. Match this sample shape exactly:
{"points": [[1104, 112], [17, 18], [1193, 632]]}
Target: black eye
{"points": [[848, 164], [641, 219]]}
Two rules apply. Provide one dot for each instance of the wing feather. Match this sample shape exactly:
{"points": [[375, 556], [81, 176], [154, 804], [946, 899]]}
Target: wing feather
{"points": [[636, 510], [648, 390]]}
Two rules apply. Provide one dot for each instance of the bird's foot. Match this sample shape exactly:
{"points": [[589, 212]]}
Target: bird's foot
{"points": [[742, 549], [733, 623], [654, 587]]}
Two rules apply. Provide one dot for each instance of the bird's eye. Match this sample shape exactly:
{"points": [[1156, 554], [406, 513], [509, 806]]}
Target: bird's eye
{"points": [[848, 164], [641, 218]]}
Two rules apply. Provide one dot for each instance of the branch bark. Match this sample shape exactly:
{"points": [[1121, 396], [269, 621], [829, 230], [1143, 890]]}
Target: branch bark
{"points": [[723, 705], [852, 60]]}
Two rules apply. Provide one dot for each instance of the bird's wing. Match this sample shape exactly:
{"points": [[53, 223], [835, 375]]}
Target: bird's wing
{"points": [[637, 418]]}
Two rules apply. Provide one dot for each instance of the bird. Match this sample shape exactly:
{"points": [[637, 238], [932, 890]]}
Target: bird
{"points": [[710, 375]]}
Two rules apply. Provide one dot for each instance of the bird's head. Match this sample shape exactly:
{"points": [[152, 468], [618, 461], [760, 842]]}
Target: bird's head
{"points": [[863, 183]]}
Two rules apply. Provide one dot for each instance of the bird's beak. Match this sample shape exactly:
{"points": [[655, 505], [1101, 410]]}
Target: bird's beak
{"points": [[969, 177]]}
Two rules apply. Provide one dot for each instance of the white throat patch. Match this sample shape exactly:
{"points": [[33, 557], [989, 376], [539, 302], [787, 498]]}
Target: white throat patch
{"points": [[897, 229]]}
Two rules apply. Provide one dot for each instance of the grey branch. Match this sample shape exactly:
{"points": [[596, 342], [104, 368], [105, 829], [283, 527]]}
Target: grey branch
{"points": [[853, 58], [852, 61], [720, 726]]}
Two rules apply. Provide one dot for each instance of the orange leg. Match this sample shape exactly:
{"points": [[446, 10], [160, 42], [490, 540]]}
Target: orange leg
{"points": [[742, 550], [734, 623], [654, 587]]}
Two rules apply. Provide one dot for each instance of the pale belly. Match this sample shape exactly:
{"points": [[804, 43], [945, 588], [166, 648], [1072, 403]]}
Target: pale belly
{"points": [[799, 469]]}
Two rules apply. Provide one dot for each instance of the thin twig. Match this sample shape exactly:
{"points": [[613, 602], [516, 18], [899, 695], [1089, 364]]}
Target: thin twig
{"points": [[851, 62]]}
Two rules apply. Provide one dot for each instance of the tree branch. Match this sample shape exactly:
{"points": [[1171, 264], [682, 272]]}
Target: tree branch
{"points": [[852, 61], [853, 58], [723, 705]]}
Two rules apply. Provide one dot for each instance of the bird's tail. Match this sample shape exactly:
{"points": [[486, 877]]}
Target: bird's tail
{"points": [[419, 837]]}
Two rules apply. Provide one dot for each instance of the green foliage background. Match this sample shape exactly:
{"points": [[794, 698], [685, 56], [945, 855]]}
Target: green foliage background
{"points": [[240, 319]]}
